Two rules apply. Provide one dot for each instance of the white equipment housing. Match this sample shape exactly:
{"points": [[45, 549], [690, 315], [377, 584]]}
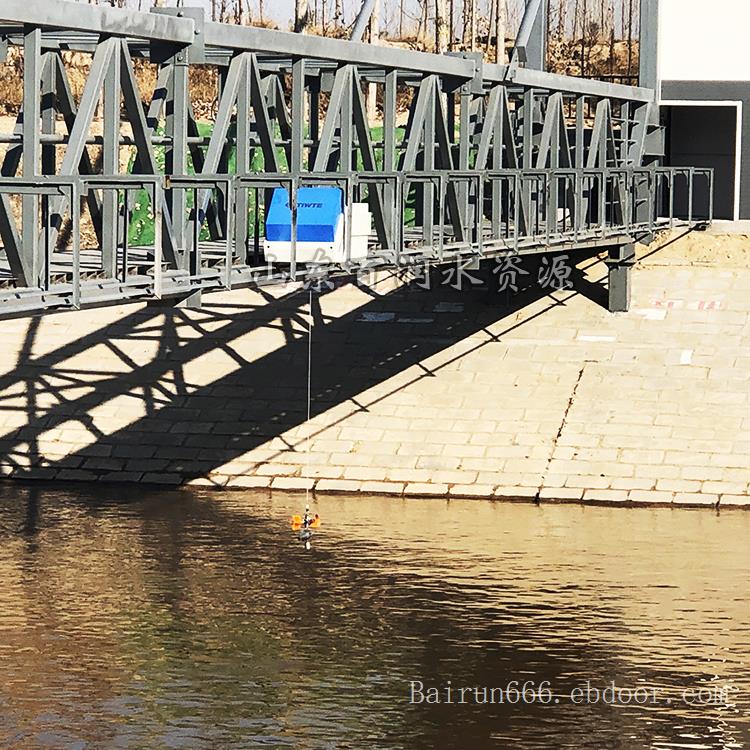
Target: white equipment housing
{"points": [[279, 251]]}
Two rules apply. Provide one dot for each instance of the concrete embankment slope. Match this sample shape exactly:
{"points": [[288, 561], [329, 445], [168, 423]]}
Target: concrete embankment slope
{"points": [[439, 392]]}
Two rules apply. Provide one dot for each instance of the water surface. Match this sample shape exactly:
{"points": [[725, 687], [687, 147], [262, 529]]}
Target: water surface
{"points": [[139, 619]]}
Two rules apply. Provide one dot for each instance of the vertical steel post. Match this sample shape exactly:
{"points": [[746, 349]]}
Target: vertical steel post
{"points": [[389, 121], [176, 159], [293, 183], [177, 150], [157, 199], [555, 110], [527, 128], [528, 115], [389, 146], [75, 239], [48, 111], [346, 124], [428, 164], [298, 114], [242, 156], [223, 201], [111, 164], [32, 59], [314, 94], [464, 147], [626, 132], [226, 190], [346, 129], [297, 149], [580, 161], [497, 164]]}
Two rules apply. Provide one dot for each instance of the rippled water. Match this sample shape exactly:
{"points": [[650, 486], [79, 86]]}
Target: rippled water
{"points": [[150, 620]]}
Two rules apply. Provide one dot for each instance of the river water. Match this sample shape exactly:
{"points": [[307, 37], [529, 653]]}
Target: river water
{"points": [[149, 619]]}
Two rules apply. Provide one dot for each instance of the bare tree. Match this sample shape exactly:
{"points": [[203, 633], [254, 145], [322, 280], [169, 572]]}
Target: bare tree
{"points": [[584, 14], [422, 25], [468, 37], [372, 89], [473, 28], [500, 16], [561, 18], [338, 14], [490, 27], [441, 27], [301, 16], [375, 23], [630, 37], [451, 22]]}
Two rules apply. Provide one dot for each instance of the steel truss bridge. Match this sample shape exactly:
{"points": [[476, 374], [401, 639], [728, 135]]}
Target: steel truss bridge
{"points": [[492, 160]]}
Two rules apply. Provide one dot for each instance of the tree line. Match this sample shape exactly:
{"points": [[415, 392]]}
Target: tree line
{"points": [[585, 37]]}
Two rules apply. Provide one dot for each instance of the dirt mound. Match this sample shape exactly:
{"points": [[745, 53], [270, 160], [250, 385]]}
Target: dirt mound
{"points": [[680, 248]]}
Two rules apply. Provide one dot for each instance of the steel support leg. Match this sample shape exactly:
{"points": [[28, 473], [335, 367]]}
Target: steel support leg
{"points": [[620, 264]]}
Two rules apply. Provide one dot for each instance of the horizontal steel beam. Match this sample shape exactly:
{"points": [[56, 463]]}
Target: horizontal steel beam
{"points": [[539, 79], [99, 20], [266, 41]]}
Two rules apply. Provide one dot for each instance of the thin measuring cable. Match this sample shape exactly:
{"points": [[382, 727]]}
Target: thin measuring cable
{"points": [[309, 393]]}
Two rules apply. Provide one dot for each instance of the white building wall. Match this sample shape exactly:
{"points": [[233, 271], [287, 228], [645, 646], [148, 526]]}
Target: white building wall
{"points": [[704, 41]]}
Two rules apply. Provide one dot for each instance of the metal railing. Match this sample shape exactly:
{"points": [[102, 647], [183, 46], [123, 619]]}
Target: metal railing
{"points": [[532, 211]]}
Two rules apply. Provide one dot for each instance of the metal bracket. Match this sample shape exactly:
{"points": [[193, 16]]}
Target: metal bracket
{"points": [[476, 84], [193, 53], [327, 78], [655, 142]]}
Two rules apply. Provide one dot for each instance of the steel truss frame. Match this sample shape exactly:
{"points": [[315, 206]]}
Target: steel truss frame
{"points": [[492, 160]]}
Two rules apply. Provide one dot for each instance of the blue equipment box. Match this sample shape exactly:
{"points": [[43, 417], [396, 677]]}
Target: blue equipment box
{"points": [[319, 211]]}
